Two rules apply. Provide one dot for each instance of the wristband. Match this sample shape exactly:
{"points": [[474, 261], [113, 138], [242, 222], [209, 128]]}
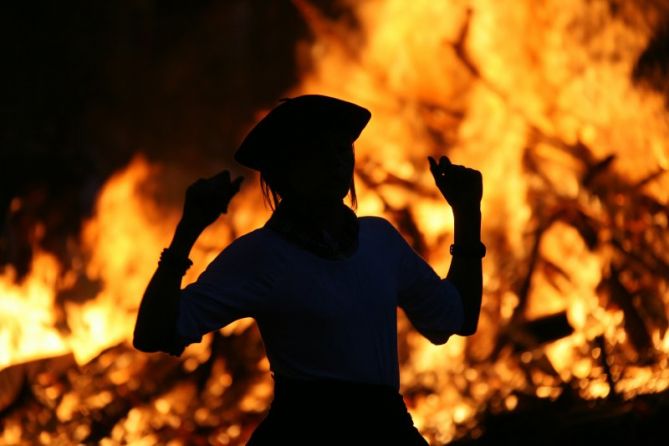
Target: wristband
{"points": [[174, 263], [468, 251]]}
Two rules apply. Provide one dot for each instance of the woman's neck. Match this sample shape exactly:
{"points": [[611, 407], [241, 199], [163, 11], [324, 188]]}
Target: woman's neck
{"points": [[323, 212]]}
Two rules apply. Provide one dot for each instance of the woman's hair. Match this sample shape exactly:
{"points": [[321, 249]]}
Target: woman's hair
{"points": [[270, 196], [270, 187]]}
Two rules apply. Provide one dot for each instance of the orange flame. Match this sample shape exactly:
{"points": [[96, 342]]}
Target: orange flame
{"points": [[480, 81], [477, 80]]}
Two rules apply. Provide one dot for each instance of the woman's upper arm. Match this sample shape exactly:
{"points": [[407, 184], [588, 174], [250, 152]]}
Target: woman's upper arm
{"points": [[432, 304], [233, 286]]}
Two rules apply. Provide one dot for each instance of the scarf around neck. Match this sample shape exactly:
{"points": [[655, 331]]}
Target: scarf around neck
{"points": [[293, 223]]}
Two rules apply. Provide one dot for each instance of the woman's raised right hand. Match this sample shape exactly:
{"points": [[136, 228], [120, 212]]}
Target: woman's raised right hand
{"points": [[208, 198]]}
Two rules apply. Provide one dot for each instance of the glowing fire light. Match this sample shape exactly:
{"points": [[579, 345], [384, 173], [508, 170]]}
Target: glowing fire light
{"points": [[491, 86]]}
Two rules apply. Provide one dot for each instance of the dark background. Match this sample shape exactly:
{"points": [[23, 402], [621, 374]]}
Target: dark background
{"points": [[87, 84]]}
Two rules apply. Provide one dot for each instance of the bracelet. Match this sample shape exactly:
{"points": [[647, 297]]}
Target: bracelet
{"points": [[468, 251], [174, 263]]}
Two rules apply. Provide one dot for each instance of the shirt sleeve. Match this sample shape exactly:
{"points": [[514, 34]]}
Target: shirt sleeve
{"points": [[432, 304], [232, 287]]}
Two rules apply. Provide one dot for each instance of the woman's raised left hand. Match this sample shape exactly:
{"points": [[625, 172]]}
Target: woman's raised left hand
{"points": [[461, 186]]}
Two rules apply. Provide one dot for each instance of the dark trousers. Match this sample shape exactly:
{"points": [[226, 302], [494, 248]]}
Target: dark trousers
{"points": [[335, 412]]}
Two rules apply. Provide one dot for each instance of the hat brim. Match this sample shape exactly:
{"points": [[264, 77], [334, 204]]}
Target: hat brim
{"points": [[307, 118]]}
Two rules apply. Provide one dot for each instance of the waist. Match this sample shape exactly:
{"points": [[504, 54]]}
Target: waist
{"points": [[333, 395], [282, 382], [336, 412]]}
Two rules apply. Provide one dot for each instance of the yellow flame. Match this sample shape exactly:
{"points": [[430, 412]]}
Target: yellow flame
{"points": [[535, 74], [28, 321], [488, 80]]}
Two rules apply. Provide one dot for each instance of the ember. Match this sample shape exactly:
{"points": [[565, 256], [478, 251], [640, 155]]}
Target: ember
{"points": [[559, 104]]}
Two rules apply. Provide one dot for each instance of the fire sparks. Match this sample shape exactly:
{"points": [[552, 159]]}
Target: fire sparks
{"points": [[540, 98]]}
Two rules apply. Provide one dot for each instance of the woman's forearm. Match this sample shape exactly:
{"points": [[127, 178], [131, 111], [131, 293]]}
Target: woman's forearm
{"points": [[158, 311], [156, 323], [465, 272]]}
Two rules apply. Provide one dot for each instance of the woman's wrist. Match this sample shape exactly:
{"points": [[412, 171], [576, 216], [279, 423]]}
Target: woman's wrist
{"points": [[467, 210], [472, 251], [174, 262], [184, 238], [467, 226]]}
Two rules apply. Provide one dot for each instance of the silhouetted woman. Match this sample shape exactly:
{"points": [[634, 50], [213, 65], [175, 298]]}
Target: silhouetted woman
{"points": [[322, 284]]}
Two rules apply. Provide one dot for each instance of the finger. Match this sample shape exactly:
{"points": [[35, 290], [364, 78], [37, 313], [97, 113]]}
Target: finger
{"points": [[457, 173], [433, 166], [220, 178], [237, 184], [221, 183], [197, 185], [225, 194], [444, 162], [442, 169]]}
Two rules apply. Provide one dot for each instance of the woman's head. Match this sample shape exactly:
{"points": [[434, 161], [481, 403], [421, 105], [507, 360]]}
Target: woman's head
{"points": [[321, 172], [303, 148]]}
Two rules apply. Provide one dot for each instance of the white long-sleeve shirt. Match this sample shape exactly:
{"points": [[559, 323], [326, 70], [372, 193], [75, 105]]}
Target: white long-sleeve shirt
{"points": [[321, 318]]}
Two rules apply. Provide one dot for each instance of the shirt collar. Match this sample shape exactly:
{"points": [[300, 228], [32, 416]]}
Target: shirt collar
{"points": [[294, 225]]}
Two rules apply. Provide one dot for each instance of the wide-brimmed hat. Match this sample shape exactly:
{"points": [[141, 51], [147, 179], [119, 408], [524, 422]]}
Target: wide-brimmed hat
{"points": [[304, 119]]}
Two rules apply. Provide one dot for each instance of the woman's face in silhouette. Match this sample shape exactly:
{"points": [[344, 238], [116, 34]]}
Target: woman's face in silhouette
{"points": [[322, 171]]}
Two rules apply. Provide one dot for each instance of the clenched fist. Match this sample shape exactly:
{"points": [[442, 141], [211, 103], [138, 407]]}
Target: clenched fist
{"points": [[461, 186], [206, 199]]}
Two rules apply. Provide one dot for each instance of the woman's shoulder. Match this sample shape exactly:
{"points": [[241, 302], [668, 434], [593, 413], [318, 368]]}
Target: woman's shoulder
{"points": [[380, 231], [373, 220], [379, 225], [252, 248], [255, 237]]}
